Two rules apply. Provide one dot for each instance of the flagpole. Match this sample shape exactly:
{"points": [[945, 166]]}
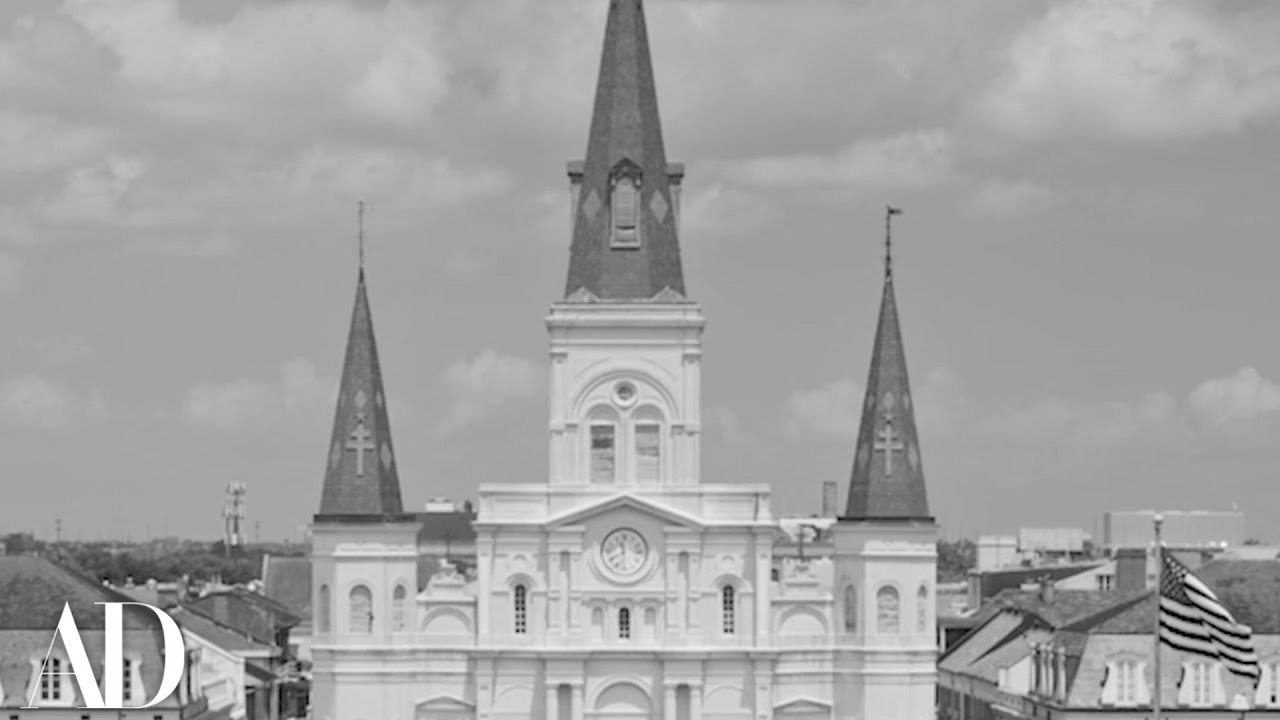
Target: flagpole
{"points": [[1155, 696]]}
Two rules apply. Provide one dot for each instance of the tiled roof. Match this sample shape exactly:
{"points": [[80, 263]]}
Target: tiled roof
{"points": [[979, 641], [993, 582], [887, 481], [215, 633], [1249, 589], [33, 591], [287, 580], [1093, 627], [245, 612], [625, 131], [360, 466], [440, 527], [1015, 613]]}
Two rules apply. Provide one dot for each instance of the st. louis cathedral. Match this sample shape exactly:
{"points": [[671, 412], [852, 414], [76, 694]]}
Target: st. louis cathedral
{"points": [[622, 585]]}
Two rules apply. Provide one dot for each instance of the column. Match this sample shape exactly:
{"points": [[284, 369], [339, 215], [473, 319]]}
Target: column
{"points": [[575, 706], [669, 702], [552, 711], [484, 572], [695, 701], [554, 595], [764, 584], [484, 689]]}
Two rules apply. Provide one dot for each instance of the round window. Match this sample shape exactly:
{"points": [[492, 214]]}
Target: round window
{"points": [[624, 393]]}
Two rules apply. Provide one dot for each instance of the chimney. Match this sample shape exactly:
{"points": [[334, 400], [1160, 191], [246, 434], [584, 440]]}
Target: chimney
{"points": [[1046, 590], [167, 595], [1131, 570], [829, 494]]}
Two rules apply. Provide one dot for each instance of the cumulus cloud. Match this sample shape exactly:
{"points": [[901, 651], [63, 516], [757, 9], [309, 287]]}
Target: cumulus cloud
{"points": [[485, 384], [832, 409], [245, 403], [1007, 198], [1057, 421], [1240, 398], [908, 160], [725, 424], [35, 402], [835, 409], [1138, 69]]}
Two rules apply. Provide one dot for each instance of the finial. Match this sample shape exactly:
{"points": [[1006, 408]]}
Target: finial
{"points": [[360, 233], [890, 211]]}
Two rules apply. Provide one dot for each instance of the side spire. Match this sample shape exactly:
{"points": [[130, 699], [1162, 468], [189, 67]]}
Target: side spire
{"points": [[887, 482], [624, 222], [360, 476]]}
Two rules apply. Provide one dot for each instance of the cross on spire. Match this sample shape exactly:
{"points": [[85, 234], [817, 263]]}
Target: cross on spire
{"points": [[359, 442], [888, 442], [890, 211]]}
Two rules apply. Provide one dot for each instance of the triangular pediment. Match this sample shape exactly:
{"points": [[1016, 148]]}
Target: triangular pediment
{"points": [[803, 705], [629, 501], [444, 702]]}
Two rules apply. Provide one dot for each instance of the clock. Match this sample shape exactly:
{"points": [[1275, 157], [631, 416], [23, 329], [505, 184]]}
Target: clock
{"points": [[624, 551]]}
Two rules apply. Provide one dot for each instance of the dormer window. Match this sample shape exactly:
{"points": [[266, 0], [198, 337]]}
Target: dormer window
{"points": [[1126, 682], [51, 680], [624, 196]]}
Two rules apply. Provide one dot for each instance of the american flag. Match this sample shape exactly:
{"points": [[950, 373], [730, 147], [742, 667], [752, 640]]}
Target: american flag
{"points": [[1193, 620]]}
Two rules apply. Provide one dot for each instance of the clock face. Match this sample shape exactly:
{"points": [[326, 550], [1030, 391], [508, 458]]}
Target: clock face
{"points": [[624, 551]]}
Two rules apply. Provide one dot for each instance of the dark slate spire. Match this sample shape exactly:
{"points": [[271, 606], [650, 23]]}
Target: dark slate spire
{"points": [[887, 482], [625, 146], [360, 477]]}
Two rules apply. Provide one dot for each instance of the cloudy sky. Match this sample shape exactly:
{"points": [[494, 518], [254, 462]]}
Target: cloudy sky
{"points": [[1086, 267]]}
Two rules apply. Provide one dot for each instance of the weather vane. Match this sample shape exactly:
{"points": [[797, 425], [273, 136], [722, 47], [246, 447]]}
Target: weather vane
{"points": [[360, 231], [890, 211]]}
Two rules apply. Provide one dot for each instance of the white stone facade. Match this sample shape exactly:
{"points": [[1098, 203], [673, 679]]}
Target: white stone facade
{"points": [[623, 587]]}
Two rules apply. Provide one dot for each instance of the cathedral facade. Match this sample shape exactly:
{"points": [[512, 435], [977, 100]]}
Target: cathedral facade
{"points": [[621, 585]]}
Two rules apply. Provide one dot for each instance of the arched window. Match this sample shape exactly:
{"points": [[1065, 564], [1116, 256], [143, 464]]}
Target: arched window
{"points": [[398, 609], [520, 609], [361, 610], [326, 611], [728, 608], [850, 609], [626, 211], [624, 623], [922, 609], [604, 452], [648, 451], [887, 610]]}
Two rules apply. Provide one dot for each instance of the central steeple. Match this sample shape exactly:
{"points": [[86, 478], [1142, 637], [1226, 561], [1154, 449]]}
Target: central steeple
{"points": [[626, 200]]}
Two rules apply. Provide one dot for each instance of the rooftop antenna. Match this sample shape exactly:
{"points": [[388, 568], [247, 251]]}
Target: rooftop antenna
{"points": [[890, 211]]}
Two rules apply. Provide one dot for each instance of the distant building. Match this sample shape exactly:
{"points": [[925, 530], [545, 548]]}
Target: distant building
{"points": [[275, 685], [1049, 653], [35, 590], [1033, 547], [287, 580], [1190, 529]]}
